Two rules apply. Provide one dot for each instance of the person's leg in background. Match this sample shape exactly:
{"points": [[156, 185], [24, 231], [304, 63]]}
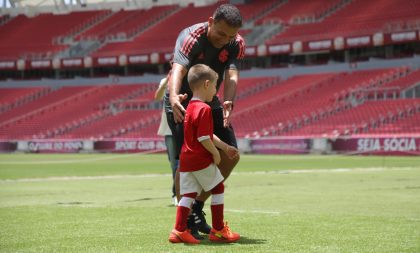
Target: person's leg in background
{"points": [[170, 147]]}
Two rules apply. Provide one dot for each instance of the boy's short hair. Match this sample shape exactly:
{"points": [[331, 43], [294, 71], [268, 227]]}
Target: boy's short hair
{"points": [[230, 14], [199, 73]]}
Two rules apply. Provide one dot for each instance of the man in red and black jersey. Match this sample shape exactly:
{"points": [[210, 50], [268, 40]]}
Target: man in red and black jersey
{"points": [[215, 43]]}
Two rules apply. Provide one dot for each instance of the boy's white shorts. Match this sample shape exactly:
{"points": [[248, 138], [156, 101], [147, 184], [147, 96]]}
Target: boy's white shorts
{"points": [[205, 179]]}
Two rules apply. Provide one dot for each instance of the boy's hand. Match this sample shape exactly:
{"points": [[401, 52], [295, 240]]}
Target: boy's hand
{"points": [[232, 152], [216, 158]]}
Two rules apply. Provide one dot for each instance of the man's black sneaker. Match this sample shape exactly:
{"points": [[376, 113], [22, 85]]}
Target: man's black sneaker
{"points": [[200, 221], [194, 228]]}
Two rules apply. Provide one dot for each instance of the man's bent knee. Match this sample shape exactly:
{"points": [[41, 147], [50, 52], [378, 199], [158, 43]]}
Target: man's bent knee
{"points": [[226, 165]]}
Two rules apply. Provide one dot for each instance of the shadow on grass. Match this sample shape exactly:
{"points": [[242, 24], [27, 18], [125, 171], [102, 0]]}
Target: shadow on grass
{"points": [[143, 199], [74, 203], [244, 240]]}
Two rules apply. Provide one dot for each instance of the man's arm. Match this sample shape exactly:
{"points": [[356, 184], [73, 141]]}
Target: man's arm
{"points": [[209, 146], [230, 85], [231, 151], [175, 82]]}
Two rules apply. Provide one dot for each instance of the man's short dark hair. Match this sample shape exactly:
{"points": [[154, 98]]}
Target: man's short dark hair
{"points": [[229, 13]]}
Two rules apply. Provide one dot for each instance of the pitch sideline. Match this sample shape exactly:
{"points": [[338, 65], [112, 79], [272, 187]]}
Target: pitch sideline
{"points": [[75, 178]]}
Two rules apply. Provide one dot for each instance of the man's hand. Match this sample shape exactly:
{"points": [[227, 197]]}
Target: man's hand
{"points": [[227, 109], [232, 152], [177, 108]]}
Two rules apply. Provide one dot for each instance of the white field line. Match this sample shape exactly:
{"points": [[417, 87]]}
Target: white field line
{"points": [[76, 178], [339, 170], [121, 156], [253, 211], [104, 158]]}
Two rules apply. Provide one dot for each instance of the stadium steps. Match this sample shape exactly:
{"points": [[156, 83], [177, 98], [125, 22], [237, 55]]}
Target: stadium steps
{"points": [[252, 115], [143, 98], [249, 86], [154, 18], [15, 97], [65, 112], [357, 18], [33, 37], [106, 109], [302, 107], [151, 121], [297, 11], [332, 10], [113, 125], [374, 78], [363, 90], [259, 34], [154, 21], [354, 83], [364, 118], [403, 123], [406, 81], [151, 40], [48, 107], [68, 38], [257, 9], [64, 128], [285, 90], [142, 101], [148, 130], [400, 87]]}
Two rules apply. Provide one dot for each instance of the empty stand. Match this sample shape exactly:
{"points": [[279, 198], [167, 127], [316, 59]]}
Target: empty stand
{"points": [[361, 118], [126, 23], [115, 125], [249, 86], [63, 109], [160, 38], [324, 104], [254, 9], [300, 100], [405, 82], [25, 37], [405, 122], [356, 19], [299, 9], [15, 97]]}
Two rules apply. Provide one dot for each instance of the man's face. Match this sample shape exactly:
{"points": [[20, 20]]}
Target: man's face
{"points": [[220, 33]]}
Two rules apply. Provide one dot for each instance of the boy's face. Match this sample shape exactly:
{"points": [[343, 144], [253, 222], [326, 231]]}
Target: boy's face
{"points": [[210, 90]]}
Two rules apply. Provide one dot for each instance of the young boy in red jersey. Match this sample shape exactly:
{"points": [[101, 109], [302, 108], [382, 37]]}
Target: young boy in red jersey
{"points": [[199, 159]]}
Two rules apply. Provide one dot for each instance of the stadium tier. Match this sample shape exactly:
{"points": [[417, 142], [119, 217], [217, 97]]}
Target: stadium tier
{"points": [[356, 22], [36, 37], [63, 110], [299, 9], [313, 105], [365, 118], [319, 73], [127, 37]]}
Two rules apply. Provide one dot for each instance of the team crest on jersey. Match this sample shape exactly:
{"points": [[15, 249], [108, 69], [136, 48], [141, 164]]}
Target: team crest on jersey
{"points": [[223, 55], [201, 56]]}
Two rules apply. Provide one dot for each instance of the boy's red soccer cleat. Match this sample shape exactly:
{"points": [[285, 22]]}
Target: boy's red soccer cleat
{"points": [[224, 235], [177, 237]]}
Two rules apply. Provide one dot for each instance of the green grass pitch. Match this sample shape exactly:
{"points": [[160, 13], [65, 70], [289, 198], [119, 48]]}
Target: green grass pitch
{"points": [[121, 203]]}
